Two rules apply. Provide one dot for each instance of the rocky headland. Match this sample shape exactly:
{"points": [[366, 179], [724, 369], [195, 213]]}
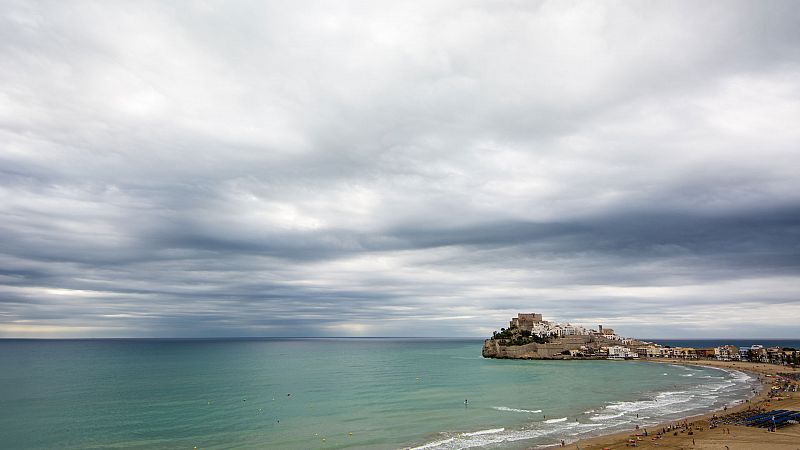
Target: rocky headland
{"points": [[530, 337]]}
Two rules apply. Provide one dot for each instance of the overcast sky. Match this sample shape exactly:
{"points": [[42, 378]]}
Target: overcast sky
{"points": [[399, 168]]}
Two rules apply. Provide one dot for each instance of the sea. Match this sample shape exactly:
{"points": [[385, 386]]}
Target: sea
{"points": [[330, 393]]}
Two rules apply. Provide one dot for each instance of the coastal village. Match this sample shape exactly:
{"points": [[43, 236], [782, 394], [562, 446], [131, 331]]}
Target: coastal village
{"points": [[529, 336]]}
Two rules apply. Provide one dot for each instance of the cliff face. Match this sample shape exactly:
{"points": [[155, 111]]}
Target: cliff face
{"points": [[493, 349], [497, 348]]}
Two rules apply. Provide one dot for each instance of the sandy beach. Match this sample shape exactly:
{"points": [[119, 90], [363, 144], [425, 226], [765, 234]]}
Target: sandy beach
{"points": [[694, 432]]}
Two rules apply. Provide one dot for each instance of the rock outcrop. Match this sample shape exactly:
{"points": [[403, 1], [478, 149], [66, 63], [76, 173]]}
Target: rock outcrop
{"points": [[531, 337]]}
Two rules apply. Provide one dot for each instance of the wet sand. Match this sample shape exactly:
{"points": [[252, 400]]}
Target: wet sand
{"points": [[725, 437]]}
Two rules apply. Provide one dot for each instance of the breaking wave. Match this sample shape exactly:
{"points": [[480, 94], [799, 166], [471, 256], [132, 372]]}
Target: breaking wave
{"points": [[482, 432], [504, 408], [563, 419]]}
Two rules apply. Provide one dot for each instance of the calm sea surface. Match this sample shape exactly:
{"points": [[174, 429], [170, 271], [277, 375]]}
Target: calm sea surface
{"points": [[312, 393]]}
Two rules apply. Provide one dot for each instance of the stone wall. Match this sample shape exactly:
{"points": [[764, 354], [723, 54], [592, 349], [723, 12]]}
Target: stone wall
{"points": [[494, 348]]}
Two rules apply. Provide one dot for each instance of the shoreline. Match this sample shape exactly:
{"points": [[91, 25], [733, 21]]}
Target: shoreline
{"points": [[698, 424]]}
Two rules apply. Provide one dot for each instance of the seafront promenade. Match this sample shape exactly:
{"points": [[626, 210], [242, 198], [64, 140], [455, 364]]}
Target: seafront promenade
{"points": [[697, 432]]}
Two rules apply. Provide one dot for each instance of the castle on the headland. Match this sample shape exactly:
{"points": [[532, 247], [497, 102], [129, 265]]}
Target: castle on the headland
{"points": [[529, 336]]}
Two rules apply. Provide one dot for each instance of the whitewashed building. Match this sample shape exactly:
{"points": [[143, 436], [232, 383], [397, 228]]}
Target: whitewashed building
{"points": [[620, 352]]}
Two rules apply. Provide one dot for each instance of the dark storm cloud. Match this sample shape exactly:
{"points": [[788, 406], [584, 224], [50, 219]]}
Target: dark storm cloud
{"points": [[398, 169]]}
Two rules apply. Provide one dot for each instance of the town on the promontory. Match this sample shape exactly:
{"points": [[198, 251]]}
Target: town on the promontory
{"points": [[529, 336]]}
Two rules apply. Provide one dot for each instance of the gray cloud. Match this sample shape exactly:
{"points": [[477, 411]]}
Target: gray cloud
{"points": [[366, 168]]}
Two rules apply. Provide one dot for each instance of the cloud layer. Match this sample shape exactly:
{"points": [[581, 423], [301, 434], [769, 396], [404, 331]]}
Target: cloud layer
{"points": [[419, 168]]}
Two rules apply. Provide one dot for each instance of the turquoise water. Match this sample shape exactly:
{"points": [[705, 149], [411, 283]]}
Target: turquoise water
{"points": [[389, 393]]}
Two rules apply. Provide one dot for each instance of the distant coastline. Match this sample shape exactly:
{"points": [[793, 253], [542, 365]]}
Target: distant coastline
{"points": [[529, 336]]}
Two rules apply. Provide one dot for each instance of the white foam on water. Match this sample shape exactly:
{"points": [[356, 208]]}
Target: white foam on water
{"points": [[740, 376], [505, 408], [563, 419], [482, 432], [434, 444], [719, 386], [606, 416], [659, 401]]}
